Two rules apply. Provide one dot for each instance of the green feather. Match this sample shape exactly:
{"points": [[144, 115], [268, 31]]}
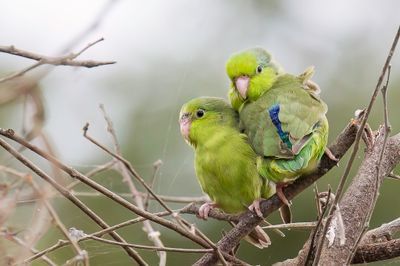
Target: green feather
{"points": [[302, 118], [245, 63], [225, 163], [287, 170], [299, 112]]}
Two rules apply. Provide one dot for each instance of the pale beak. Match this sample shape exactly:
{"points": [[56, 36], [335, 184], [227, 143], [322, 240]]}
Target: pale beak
{"points": [[185, 125], [242, 85]]}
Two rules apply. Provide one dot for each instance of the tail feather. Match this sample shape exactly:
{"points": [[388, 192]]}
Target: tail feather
{"points": [[259, 238], [286, 214]]}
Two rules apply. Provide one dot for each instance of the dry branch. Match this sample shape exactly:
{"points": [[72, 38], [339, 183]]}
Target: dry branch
{"points": [[249, 221], [152, 234], [77, 175], [359, 199], [377, 252], [66, 60], [382, 233], [365, 253], [174, 199], [360, 133], [67, 195]]}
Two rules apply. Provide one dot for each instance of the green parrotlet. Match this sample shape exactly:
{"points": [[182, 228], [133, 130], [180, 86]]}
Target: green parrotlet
{"points": [[282, 115], [225, 163]]}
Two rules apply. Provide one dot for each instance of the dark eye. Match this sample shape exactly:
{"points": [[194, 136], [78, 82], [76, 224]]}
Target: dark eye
{"points": [[259, 69], [200, 113]]}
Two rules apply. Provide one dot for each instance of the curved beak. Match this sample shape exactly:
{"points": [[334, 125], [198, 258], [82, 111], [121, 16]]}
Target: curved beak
{"points": [[242, 85], [185, 125]]}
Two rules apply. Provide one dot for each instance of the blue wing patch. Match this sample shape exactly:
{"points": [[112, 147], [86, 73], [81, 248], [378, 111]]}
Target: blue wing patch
{"points": [[273, 114]]}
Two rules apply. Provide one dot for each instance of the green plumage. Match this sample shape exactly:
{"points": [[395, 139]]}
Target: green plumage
{"points": [[225, 163], [299, 112], [301, 115]]}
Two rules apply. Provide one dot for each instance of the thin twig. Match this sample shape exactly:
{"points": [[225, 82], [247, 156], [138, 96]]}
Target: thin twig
{"points": [[67, 60], [95, 24], [382, 233], [156, 168], [358, 199], [127, 165], [152, 234], [377, 252], [349, 164], [65, 192], [174, 199], [276, 230], [394, 176], [107, 230], [314, 235], [75, 174], [386, 133], [169, 249], [93, 172], [317, 202], [132, 171], [212, 244], [248, 221], [298, 225], [12, 237], [81, 253]]}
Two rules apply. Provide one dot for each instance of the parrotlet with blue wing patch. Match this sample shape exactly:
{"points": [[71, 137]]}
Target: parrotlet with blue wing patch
{"points": [[282, 115]]}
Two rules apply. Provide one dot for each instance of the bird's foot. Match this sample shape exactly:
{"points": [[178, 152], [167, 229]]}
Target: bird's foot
{"points": [[330, 155], [281, 195], [205, 209], [255, 207]]}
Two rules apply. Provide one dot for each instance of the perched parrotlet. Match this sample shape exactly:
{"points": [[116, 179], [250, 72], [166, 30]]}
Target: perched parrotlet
{"points": [[282, 115], [225, 163]]}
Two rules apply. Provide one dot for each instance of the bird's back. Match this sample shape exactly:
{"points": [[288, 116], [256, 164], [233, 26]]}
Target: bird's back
{"points": [[298, 111]]}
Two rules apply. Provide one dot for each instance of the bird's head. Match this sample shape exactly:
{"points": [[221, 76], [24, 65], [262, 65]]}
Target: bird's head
{"points": [[252, 72], [200, 115]]}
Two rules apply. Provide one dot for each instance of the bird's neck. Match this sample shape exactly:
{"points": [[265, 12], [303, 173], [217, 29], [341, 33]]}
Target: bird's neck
{"points": [[213, 137], [261, 85]]}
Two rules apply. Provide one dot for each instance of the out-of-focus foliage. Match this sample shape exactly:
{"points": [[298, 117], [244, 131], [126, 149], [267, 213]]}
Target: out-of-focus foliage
{"points": [[171, 51]]}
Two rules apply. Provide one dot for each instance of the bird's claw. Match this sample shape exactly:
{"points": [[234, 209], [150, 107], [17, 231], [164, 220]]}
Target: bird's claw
{"points": [[330, 155], [255, 207], [368, 136], [205, 209], [281, 195]]}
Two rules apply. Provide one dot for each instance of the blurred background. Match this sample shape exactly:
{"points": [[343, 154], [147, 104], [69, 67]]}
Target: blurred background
{"points": [[168, 52]]}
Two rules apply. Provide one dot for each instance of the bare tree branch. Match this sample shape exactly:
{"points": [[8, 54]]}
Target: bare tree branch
{"points": [[350, 162], [377, 252], [365, 253], [68, 195], [12, 237], [382, 233], [66, 60], [174, 199], [152, 234], [81, 254], [77, 175], [249, 221], [358, 201]]}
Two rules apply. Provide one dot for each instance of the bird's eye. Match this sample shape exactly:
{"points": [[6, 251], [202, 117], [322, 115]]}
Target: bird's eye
{"points": [[259, 69], [200, 113]]}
